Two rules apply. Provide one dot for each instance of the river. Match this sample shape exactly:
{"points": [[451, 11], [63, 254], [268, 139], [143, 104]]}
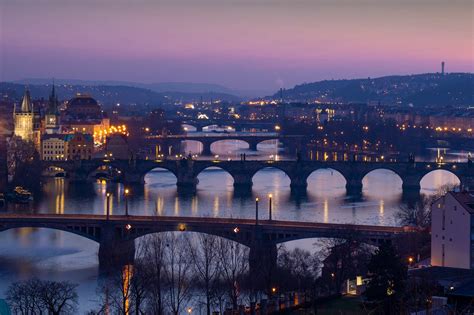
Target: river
{"points": [[49, 254]]}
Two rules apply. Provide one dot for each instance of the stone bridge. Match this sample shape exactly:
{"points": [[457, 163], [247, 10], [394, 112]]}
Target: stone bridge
{"points": [[116, 234], [242, 172], [236, 124], [171, 144]]}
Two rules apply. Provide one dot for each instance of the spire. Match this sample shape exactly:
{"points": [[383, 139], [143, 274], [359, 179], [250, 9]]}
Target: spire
{"points": [[53, 102], [26, 103]]}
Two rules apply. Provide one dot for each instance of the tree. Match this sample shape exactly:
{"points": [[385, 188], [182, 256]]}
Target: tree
{"points": [[24, 164], [298, 269], [59, 297], [387, 278], [37, 296], [153, 256], [205, 257], [234, 260], [177, 272]]}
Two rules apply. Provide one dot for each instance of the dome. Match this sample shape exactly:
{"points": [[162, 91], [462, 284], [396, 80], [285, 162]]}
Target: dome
{"points": [[83, 106], [82, 100]]}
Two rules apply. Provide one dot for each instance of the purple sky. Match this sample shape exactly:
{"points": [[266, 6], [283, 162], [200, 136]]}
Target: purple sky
{"points": [[244, 44]]}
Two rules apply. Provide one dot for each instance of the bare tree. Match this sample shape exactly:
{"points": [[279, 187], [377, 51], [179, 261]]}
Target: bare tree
{"points": [[206, 262], [153, 255], [177, 272], [298, 269], [234, 260], [24, 297], [36, 297], [59, 297]]}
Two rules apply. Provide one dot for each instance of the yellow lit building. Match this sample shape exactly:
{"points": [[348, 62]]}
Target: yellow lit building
{"points": [[24, 119], [53, 148]]}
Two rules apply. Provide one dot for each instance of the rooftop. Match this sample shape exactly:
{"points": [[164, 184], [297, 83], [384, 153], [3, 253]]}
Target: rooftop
{"points": [[465, 198]]}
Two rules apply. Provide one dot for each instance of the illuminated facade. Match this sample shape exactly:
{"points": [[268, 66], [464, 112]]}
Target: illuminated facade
{"points": [[24, 119], [78, 146], [53, 148], [51, 118]]}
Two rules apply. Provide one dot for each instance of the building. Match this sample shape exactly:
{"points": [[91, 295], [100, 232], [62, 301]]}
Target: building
{"points": [[4, 132], [452, 231], [78, 146], [117, 147], [24, 119], [83, 107], [51, 118], [53, 147]]}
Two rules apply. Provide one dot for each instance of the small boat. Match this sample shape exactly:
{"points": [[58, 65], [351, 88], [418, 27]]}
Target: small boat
{"points": [[20, 195]]}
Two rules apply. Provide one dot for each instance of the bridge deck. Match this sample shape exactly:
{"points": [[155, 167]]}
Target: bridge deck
{"points": [[93, 218]]}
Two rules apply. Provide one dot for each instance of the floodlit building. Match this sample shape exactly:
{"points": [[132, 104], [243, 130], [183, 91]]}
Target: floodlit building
{"points": [[53, 147], [24, 119], [452, 231], [78, 146]]}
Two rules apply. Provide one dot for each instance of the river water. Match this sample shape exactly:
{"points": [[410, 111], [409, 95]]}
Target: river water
{"points": [[49, 254]]}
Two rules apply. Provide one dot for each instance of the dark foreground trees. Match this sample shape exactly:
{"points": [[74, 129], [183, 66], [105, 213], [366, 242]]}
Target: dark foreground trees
{"points": [[39, 297]]}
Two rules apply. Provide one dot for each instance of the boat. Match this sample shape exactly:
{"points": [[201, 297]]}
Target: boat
{"points": [[20, 195]]}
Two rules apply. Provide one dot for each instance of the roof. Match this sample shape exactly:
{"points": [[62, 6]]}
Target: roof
{"points": [[26, 103], [82, 100], [53, 136], [86, 136], [465, 198]]}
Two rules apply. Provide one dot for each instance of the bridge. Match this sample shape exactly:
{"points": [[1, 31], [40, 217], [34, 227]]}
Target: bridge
{"points": [[171, 144], [116, 234], [236, 124], [242, 172]]}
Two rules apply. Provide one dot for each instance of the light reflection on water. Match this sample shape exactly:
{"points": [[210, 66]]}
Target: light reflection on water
{"points": [[25, 253]]}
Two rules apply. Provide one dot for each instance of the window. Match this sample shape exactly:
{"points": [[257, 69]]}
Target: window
{"points": [[442, 255], [444, 220]]}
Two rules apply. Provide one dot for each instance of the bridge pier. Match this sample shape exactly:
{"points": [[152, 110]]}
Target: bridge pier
{"points": [[298, 184], [114, 252], [262, 265], [253, 146], [133, 178], [242, 182], [206, 149], [354, 186]]}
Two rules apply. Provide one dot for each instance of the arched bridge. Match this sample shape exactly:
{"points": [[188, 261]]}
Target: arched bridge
{"points": [[171, 144], [117, 233], [242, 172]]}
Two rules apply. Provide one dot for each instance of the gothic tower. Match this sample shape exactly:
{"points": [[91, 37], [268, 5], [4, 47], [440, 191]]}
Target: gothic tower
{"points": [[52, 114], [24, 118]]}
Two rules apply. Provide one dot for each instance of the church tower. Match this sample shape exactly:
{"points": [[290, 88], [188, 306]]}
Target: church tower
{"points": [[24, 119], [52, 114]]}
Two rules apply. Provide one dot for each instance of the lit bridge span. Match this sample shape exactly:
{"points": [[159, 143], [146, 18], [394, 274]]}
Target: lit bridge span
{"points": [[116, 234]]}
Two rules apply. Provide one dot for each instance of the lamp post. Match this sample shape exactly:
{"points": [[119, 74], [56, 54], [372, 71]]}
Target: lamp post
{"points": [[270, 207], [256, 211], [126, 192], [108, 205]]}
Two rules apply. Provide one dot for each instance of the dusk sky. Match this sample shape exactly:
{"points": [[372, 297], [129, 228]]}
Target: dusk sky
{"points": [[242, 44]]}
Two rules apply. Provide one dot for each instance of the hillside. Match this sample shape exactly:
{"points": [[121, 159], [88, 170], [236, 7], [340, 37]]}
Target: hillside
{"points": [[454, 89]]}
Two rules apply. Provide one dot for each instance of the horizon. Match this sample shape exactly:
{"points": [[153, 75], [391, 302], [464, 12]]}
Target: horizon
{"points": [[242, 45]]}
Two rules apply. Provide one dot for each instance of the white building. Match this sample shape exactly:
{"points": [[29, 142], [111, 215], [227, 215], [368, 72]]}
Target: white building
{"points": [[452, 230], [53, 148]]}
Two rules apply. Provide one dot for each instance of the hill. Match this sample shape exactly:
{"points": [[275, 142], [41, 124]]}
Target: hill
{"points": [[432, 89]]}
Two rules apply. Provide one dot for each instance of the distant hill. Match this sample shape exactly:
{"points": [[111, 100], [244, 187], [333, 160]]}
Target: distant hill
{"points": [[162, 87], [110, 94], [432, 89]]}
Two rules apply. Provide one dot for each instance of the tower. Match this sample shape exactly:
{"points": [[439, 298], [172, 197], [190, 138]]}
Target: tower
{"points": [[442, 67], [52, 114], [23, 119]]}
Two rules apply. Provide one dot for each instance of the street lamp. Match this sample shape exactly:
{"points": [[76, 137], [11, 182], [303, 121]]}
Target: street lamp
{"points": [[108, 205], [126, 193], [256, 211], [270, 207]]}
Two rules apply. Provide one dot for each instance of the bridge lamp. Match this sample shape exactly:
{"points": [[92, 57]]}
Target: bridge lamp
{"points": [[277, 128], [274, 290], [108, 205], [410, 260], [270, 206], [182, 227], [126, 193], [189, 310], [256, 210], [236, 230], [128, 227]]}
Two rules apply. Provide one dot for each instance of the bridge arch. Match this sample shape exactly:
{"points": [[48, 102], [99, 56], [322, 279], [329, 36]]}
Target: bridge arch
{"points": [[53, 171], [378, 185], [326, 179], [162, 174], [189, 128], [214, 168], [280, 181], [106, 171], [192, 146], [91, 233], [234, 144], [440, 177], [268, 142]]}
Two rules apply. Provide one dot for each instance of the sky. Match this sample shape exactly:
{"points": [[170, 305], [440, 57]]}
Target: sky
{"points": [[242, 44]]}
